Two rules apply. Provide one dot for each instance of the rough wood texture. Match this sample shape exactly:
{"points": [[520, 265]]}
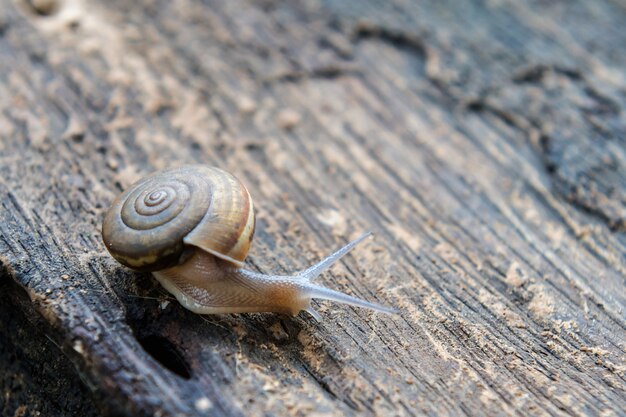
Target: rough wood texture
{"points": [[482, 142]]}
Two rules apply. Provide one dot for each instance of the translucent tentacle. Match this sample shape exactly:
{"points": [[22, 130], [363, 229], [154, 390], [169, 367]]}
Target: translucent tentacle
{"points": [[315, 270], [323, 293], [317, 291], [317, 316]]}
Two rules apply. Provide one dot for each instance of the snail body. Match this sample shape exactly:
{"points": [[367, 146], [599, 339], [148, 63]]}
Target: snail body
{"points": [[192, 228]]}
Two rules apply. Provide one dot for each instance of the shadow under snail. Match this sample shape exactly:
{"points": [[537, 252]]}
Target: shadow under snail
{"points": [[192, 228]]}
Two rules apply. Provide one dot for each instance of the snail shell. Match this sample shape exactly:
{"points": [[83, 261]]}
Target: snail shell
{"points": [[149, 226]]}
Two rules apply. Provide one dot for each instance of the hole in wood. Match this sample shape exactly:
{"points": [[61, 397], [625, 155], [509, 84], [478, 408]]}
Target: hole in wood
{"points": [[164, 352]]}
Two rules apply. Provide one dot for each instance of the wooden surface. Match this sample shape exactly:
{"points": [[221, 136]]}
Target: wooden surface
{"points": [[482, 142]]}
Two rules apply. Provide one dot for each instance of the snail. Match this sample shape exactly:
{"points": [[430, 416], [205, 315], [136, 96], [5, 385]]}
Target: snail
{"points": [[192, 228]]}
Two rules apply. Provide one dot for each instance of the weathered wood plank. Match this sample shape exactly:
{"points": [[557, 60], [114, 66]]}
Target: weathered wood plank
{"points": [[483, 143]]}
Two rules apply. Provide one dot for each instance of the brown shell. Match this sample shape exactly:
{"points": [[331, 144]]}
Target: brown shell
{"points": [[149, 225]]}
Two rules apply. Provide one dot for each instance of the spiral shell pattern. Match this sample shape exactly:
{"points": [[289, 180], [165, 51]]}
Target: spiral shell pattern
{"points": [[149, 225]]}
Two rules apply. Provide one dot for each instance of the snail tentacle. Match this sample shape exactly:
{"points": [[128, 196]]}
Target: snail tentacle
{"points": [[317, 291], [323, 293], [316, 316], [316, 270]]}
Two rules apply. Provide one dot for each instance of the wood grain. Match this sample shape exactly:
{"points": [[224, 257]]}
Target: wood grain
{"points": [[481, 142]]}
